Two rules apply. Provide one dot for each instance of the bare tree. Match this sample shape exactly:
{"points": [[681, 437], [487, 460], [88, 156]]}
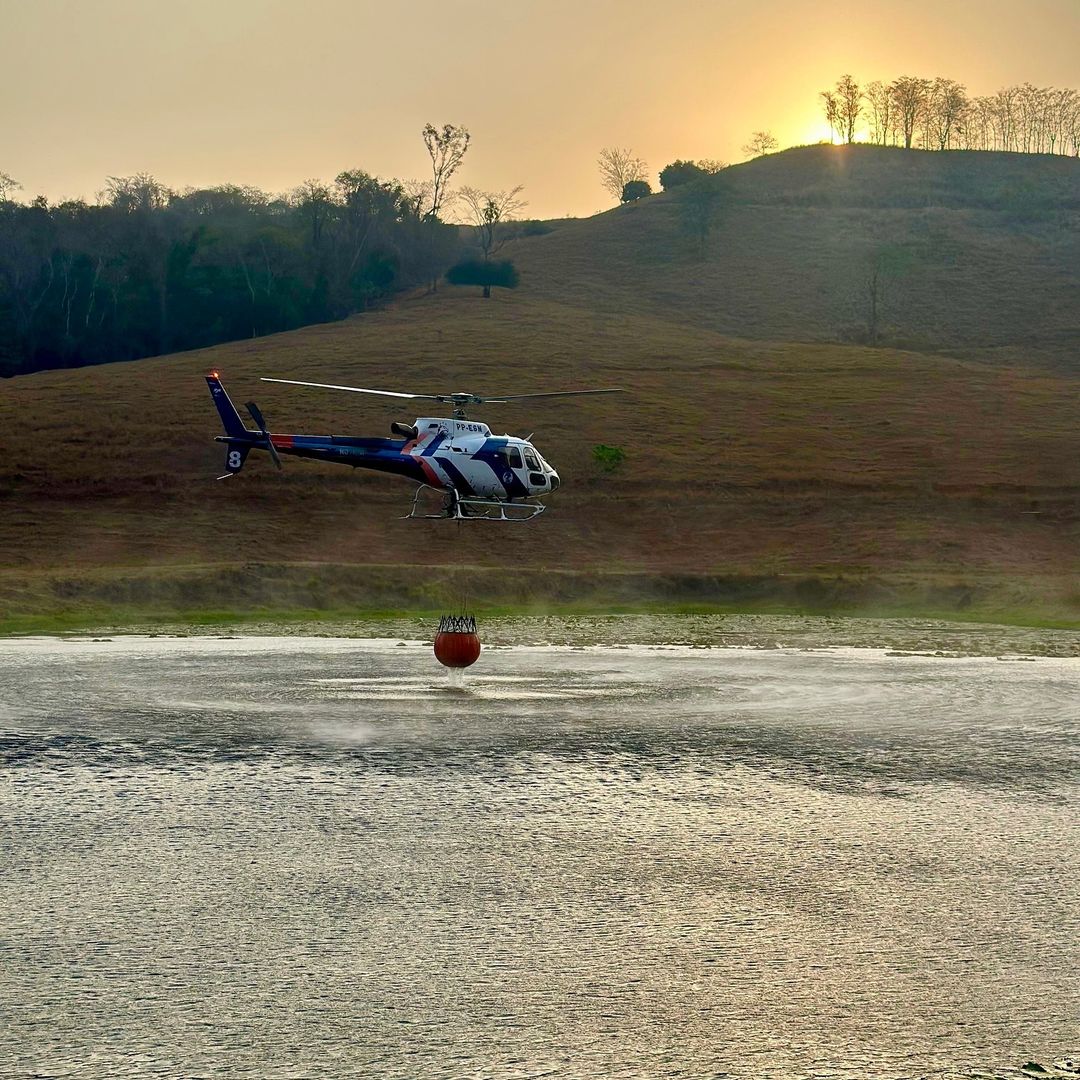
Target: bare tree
{"points": [[141, 193], [978, 130], [944, 114], [832, 112], [843, 106], [1005, 118], [849, 106], [712, 165], [938, 114], [879, 103], [761, 142], [909, 102], [447, 151], [486, 211], [1063, 106], [8, 183], [416, 195], [618, 167]]}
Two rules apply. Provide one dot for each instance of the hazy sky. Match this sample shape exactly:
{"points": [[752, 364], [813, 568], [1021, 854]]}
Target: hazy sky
{"points": [[268, 92]]}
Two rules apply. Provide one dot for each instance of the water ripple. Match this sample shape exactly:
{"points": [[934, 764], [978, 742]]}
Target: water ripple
{"points": [[289, 858]]}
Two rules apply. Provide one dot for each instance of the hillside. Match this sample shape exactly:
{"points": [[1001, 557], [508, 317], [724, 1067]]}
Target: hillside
{"points": [[978, 253], [803, 473]]}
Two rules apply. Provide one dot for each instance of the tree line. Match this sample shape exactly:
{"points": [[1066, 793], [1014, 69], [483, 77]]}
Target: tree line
{"points": [[913, 112], [147, 270], [940, 114]]}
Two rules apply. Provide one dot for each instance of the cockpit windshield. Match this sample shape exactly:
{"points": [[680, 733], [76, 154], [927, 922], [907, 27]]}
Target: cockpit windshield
{"points": [[530, 460]]}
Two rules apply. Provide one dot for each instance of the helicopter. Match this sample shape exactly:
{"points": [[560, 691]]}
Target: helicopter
{"points": [[480, 476]]}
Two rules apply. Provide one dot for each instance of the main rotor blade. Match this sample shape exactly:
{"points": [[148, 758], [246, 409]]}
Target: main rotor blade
{"points": [[356, 389], [557, 393]]}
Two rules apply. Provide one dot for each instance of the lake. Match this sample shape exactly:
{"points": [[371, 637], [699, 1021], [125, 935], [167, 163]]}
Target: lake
{"points": [[301, 856]]}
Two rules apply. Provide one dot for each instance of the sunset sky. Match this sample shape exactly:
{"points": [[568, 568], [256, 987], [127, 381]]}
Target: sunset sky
{"points": [[268, 92]]}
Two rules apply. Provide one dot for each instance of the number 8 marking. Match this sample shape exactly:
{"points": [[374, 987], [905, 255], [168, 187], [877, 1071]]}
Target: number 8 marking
{"points": [[235, 461]]}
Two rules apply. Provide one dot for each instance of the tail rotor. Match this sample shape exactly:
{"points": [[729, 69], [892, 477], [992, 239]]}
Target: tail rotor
{"points": [[260, 423]]}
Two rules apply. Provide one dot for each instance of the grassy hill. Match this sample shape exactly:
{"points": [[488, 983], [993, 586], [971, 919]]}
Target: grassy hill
{"points": [[758, 470], [978, 253]]}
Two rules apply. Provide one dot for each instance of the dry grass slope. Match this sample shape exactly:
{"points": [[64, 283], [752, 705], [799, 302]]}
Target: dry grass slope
{"points": [[942, 479], [981, 252]]}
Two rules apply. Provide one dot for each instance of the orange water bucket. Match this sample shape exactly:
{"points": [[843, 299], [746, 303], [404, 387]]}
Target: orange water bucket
{"points": [[457, 644]]}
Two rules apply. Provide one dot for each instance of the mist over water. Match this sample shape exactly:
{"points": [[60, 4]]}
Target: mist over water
{"points": [[285, 857]]}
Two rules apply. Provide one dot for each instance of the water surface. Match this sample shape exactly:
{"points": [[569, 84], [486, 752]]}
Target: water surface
{"points": [[281, 857]]}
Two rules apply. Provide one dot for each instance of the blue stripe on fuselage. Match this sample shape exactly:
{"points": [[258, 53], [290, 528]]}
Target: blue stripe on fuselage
{"points": [[463, 486], [491, 455], [381, 455], [434, 445]]}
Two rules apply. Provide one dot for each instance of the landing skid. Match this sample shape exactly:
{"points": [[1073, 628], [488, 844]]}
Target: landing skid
{"points": [[460, 508]]}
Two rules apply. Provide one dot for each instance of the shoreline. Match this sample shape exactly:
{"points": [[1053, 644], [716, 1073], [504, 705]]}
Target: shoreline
{"points": [[71, 600], [903, 636]]}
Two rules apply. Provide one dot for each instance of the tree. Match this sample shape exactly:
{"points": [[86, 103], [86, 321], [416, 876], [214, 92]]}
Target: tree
{"points": [[147, 270], [365, 257], [149, 234], [7, 184], [832, 112], [882, 123], [485, 273], [312, 198], [680, 172], [634, 190], [761, 142], [618, 167], [138, 194], [446, 149], [417, 195], [486, 211], [909, 104], [946, 111], [848, 106]]}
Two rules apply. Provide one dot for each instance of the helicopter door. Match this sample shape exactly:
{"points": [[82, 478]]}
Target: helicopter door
{"points": [[512, 465], [536, 473]]}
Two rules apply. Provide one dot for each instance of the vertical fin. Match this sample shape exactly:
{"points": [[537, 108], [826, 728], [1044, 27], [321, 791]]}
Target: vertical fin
{"points": [[230, 418]]}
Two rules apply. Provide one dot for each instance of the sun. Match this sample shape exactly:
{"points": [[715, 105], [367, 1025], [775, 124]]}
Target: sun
{"points": [[818, 132]]}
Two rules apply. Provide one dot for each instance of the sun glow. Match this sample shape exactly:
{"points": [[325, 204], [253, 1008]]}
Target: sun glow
{"points": [[818, 132]]}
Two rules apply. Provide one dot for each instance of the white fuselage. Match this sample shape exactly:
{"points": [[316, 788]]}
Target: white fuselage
{"points": [[465, 456]]}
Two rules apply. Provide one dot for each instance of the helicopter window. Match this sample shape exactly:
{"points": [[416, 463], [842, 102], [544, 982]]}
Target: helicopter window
{"points": [[530, 460], [513, 456]]}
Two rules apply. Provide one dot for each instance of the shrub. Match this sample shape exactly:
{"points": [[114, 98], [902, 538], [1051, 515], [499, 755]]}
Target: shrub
{"points": [[609, 458], [635, 189], [487, 275], [680, 172]]}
